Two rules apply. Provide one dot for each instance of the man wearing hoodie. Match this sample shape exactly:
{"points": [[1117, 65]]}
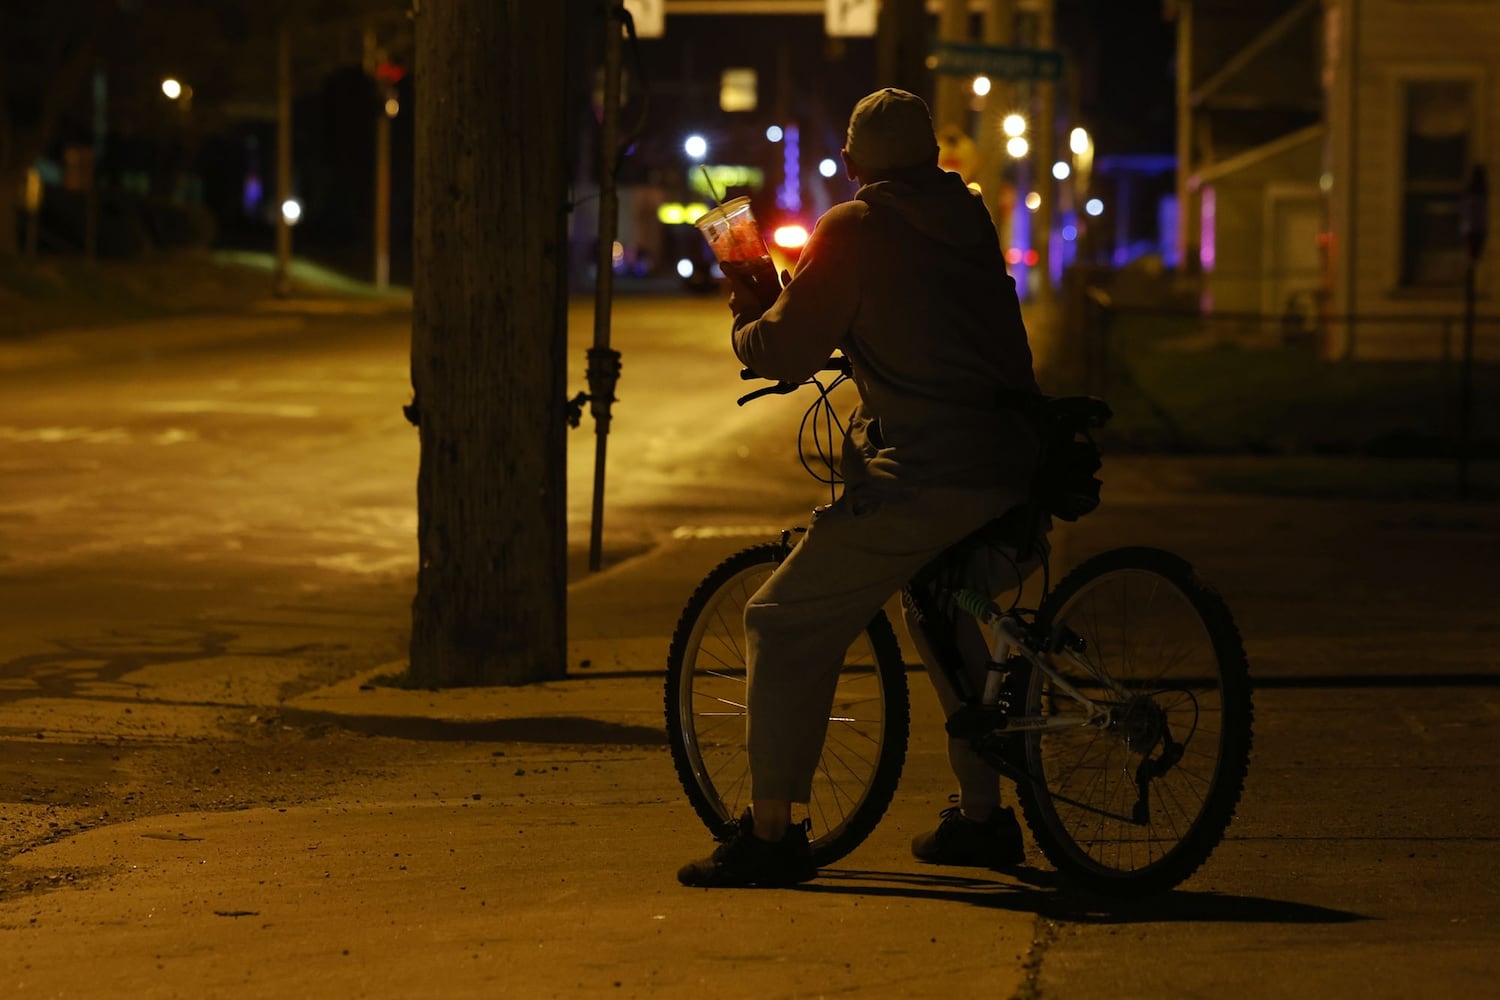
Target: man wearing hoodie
{"points": [[909, 282]]}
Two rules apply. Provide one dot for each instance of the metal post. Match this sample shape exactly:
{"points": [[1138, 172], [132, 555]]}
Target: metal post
{"points": [[1474, 226], [999, 28], [604, 362], [1186, 218], [382, 200], [100, 93], [1046, 144], [33, 205], [283, 160], [901, 46], [1466, 386]]}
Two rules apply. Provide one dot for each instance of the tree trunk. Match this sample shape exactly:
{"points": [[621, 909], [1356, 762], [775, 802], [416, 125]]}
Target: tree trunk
{"points": [[489, 341]]}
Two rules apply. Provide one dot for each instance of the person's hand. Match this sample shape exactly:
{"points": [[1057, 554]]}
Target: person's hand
{"points": [[743, 302]]}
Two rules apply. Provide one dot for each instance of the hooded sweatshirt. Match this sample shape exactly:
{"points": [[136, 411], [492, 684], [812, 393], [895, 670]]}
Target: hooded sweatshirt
{"points": [[909, 282]]}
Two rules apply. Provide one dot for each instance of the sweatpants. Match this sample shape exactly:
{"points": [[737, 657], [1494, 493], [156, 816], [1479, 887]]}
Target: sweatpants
{"points": [[799, 624]]}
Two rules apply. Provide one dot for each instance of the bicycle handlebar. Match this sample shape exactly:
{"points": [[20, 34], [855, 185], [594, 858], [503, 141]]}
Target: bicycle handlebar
{"points": [[839, 364], [835, 364]]}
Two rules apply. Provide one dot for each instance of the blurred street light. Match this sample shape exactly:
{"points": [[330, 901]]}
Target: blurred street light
{"points": [[291, 211], [695, 146], [685, 268], [1079, 141], [1033, 201], [1014, 126], [790, 237], [392, 107], [774, 133], [1061, 170], [1017, 146], [172, 88], [827, 167], [1094, 207], [981, 86]]}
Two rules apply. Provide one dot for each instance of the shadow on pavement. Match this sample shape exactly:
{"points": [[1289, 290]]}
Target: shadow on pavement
{"points": [[570, 729], [1043, 893]]}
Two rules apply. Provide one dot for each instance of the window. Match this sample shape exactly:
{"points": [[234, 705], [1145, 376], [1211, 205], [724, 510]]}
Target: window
{"points": [[1439, 149]]}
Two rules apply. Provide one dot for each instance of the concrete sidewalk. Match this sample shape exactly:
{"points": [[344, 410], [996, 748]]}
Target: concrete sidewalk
{"points": [[522, 841]]}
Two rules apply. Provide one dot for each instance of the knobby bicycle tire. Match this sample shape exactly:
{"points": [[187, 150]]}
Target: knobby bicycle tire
{"points": [[1081, 851], [841, 823]]}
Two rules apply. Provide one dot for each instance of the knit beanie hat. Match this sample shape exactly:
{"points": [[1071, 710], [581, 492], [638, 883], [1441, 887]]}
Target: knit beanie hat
{"points": [[890, 129]]}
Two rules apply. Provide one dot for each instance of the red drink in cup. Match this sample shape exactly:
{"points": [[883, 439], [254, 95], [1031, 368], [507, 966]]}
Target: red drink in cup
{"points": [[736, 241]]}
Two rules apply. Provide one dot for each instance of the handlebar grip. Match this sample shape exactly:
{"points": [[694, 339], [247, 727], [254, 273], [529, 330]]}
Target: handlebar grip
{"points": [[838, 364]]}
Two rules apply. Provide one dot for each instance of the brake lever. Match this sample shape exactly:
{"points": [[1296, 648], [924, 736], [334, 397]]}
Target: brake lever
{"points": [[779, 389]]}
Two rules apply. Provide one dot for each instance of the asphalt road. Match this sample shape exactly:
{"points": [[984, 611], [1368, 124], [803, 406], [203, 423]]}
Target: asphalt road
{"points": [[201, 520]]}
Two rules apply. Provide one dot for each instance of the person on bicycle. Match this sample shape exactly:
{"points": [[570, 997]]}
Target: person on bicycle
{"points": [[909, 282]]}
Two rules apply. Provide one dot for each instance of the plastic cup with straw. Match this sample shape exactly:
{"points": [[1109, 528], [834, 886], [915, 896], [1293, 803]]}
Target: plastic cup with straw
{"points": [[735, 239]]}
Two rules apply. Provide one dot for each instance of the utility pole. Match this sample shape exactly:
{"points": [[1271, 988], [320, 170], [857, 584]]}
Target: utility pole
{"points": [[283, 160], [901, 46]]}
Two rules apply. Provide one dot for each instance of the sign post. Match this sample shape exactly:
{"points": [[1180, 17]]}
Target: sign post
{"points": [[1473, 224]]}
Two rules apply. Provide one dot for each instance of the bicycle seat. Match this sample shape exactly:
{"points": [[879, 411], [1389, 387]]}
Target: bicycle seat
{"points": [[1014, 530]]}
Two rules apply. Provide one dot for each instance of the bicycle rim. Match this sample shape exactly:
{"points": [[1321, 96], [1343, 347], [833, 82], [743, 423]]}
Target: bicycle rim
{"points": [[706, 695], [1138, 805]]}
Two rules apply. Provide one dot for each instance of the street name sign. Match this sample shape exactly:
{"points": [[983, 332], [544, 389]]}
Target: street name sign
{"points": [[967, 59]]}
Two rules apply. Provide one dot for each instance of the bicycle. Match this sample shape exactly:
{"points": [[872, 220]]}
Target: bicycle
{"points": [[1120, 705]]}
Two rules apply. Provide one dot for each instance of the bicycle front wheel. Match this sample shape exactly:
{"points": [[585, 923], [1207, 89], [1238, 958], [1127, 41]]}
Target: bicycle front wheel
{"points": [[706, 697], [1135, 802]]}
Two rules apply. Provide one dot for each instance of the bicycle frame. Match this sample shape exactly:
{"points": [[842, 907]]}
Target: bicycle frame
{"points": [[1009, 635]]}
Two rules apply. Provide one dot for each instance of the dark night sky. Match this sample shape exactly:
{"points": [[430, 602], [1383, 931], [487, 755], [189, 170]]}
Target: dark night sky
{"points": [[1125, 53], [1119, 52]]}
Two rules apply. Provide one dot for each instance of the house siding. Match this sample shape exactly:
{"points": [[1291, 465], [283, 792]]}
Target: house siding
{"points": [[1239, 275], [1383, 43]]}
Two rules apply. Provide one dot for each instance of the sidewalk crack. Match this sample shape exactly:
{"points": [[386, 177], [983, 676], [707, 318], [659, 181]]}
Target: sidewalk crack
{"points": [[1044, 934]]}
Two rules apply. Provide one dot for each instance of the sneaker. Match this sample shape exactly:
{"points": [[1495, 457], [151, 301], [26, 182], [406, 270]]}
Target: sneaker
{"points": [[743, 859], [959, 840]]}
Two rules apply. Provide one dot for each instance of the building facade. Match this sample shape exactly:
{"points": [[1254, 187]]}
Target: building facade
{"points": [[1347, 223], [1412, 96]]}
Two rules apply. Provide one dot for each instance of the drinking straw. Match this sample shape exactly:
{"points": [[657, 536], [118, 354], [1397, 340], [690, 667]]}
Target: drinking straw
{"points": [[710, 182]]}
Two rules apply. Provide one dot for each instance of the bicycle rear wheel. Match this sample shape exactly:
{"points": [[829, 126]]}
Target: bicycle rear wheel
{"points": [[705, 697], [1136, 805]]}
